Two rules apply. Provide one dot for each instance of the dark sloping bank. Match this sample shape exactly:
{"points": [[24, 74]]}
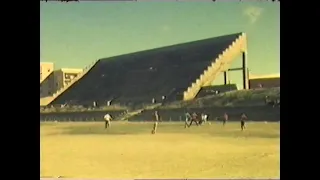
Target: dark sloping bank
{"points": [[78, 116], [255, 113]]}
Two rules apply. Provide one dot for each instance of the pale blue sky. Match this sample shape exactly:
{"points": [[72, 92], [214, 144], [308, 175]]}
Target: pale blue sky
{"points": [[75, 34]]}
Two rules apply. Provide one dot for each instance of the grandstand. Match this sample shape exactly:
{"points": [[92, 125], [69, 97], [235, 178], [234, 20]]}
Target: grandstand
{"points": [[172, 72]]}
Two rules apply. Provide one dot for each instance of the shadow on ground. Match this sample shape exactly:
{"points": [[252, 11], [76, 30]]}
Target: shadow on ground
{"points": [[256, 130]]}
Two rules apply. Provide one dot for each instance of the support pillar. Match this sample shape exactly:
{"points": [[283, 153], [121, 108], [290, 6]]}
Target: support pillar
{"points": [[225, 77], [248, 76], [245, 71]]}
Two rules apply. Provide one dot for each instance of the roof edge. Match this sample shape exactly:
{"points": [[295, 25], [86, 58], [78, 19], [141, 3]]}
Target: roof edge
{"points": [[167, 46]]}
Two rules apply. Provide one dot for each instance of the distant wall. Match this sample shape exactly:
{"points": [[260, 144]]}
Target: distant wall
{"points": [[77, 116], [256, 113], [264, 82]]}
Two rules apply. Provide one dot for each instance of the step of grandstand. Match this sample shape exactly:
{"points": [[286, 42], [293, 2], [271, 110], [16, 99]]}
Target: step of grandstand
{"points": [[146, 75]]}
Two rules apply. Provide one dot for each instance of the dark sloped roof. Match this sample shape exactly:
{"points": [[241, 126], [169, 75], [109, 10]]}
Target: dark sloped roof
{"points": [[143, 75]]}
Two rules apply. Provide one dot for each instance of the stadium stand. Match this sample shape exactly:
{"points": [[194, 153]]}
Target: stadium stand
{"points": [[142, 76]]}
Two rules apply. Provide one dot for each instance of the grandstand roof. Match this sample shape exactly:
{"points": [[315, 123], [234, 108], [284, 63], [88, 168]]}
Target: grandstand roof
{"points": [[267, 76], [46, 62], [144, 75], [70, 70]]}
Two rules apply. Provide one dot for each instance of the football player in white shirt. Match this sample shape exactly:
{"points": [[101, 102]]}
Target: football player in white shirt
{"points": [[107, 119]]}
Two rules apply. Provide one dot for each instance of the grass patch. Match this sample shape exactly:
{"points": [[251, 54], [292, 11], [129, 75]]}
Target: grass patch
{"points": [[128, 150]]}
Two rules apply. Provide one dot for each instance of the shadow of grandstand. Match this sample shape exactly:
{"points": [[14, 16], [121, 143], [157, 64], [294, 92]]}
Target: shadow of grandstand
{"points": [[144, 128], [78, 116], [254, 113]]}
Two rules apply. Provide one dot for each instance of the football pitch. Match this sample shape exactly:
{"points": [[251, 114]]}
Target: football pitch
{"points": [[129, 150]]}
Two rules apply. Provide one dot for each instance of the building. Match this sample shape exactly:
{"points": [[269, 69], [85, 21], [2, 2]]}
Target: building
{"points": [[52, 80], [46, 78], [46, 68], [64, 76], [264, 81], [47, 87]]}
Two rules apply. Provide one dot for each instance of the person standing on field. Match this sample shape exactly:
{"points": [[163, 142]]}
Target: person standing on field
{"points": [[188, 118], [204, 118], [225, 119], [243, 121], [194, 119], [107, 119], [156, 120], [157, 116]]}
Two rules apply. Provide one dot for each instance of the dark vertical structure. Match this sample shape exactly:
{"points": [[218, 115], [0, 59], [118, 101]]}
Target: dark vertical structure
{"points": [[248, 76], [245, 71], [225, 76]]}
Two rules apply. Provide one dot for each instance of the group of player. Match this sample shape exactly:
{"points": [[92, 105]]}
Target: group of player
{"points": [[189, 120], [243, 119]]}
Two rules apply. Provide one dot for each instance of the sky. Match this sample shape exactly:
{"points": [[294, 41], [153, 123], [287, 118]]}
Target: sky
{"points": [[73, 35]]}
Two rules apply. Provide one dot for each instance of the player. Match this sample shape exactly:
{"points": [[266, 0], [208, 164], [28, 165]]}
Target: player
{"points": [[157, 116], [188, 118], [156, 120], [107, 119], [225, 119], [204, 118], [194, 119], [243, 121]]}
